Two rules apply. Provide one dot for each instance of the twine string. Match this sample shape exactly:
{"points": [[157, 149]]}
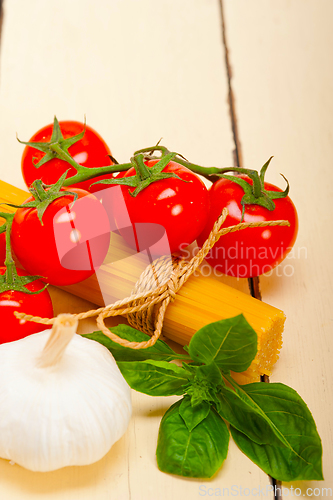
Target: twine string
{"points": [[146, 306]]}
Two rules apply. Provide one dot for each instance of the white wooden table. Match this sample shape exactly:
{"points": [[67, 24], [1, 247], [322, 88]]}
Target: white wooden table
{"points": [[144, 70]]}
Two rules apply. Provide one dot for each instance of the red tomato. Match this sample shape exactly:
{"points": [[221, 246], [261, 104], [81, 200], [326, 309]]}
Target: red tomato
{"points": [[252, 251], [2, 249], [39, 304], [167, 215], [70, 245], [90, 151]]}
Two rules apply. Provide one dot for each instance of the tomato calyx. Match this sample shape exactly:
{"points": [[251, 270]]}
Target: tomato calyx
{"points": [[209, 173], [58, 147], [144, 175], [256, 194], [44, 195], [10, 280]]}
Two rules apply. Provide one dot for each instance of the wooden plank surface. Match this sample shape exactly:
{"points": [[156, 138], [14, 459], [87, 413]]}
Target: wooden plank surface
{"points": [[138, 72], [283, 86], [144, 70]]}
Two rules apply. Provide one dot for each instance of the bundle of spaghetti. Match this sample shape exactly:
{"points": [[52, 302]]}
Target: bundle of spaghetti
{"points": [[166, 297], [199, 300]]}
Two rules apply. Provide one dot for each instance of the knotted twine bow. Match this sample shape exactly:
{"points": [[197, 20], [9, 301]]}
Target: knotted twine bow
{"points": [[146, 307]]}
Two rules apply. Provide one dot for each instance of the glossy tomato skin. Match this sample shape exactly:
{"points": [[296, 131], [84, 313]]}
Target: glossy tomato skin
{"points": [[252, 251], [181, 208], [90, 151], [37, 249], [2, 249], [38, 305]]}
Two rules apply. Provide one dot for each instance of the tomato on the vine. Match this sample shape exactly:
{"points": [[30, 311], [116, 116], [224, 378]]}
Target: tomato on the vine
{"points": [[252, 251], [167, 215], [39, 304], [89, 151], [70, 243]]}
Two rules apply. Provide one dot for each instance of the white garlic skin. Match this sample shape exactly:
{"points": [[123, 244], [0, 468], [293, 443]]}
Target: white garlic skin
{"points": [[68, 414]]}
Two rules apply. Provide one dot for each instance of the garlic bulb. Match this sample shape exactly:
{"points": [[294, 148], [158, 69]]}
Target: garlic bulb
{"points": [[64, 405]]}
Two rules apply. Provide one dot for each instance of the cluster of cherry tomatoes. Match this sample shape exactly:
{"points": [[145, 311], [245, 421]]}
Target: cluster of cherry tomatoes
{"points": [[179, 202]]}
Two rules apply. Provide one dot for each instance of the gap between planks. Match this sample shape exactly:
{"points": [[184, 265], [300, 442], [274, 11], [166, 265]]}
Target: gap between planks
{"points": [[254, 283]]}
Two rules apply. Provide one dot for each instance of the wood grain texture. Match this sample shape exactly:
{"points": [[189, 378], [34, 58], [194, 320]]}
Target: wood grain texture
{"points": [[142, 70], [138, 71], [283, 86]]}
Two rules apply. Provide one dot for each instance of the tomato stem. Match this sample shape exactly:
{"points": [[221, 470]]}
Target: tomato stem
{"points": [[11, 280], [254, 194], [62, 154], [38, 191], [9, 261], [58, 148], [86, 173], [144, 176], [141, 168], [44, 195]]}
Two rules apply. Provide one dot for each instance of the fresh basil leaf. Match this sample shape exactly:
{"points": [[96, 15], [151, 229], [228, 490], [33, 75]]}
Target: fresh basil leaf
{"points": [[197, 453], [155, 378], [299, 457], [278, 462], [245, 416], [230, 343], [209, 373], [193, 415], [159, 351]]}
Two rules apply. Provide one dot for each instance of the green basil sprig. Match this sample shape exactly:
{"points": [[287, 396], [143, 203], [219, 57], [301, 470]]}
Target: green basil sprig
{"points": [[192, 441], [270, 423]]}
